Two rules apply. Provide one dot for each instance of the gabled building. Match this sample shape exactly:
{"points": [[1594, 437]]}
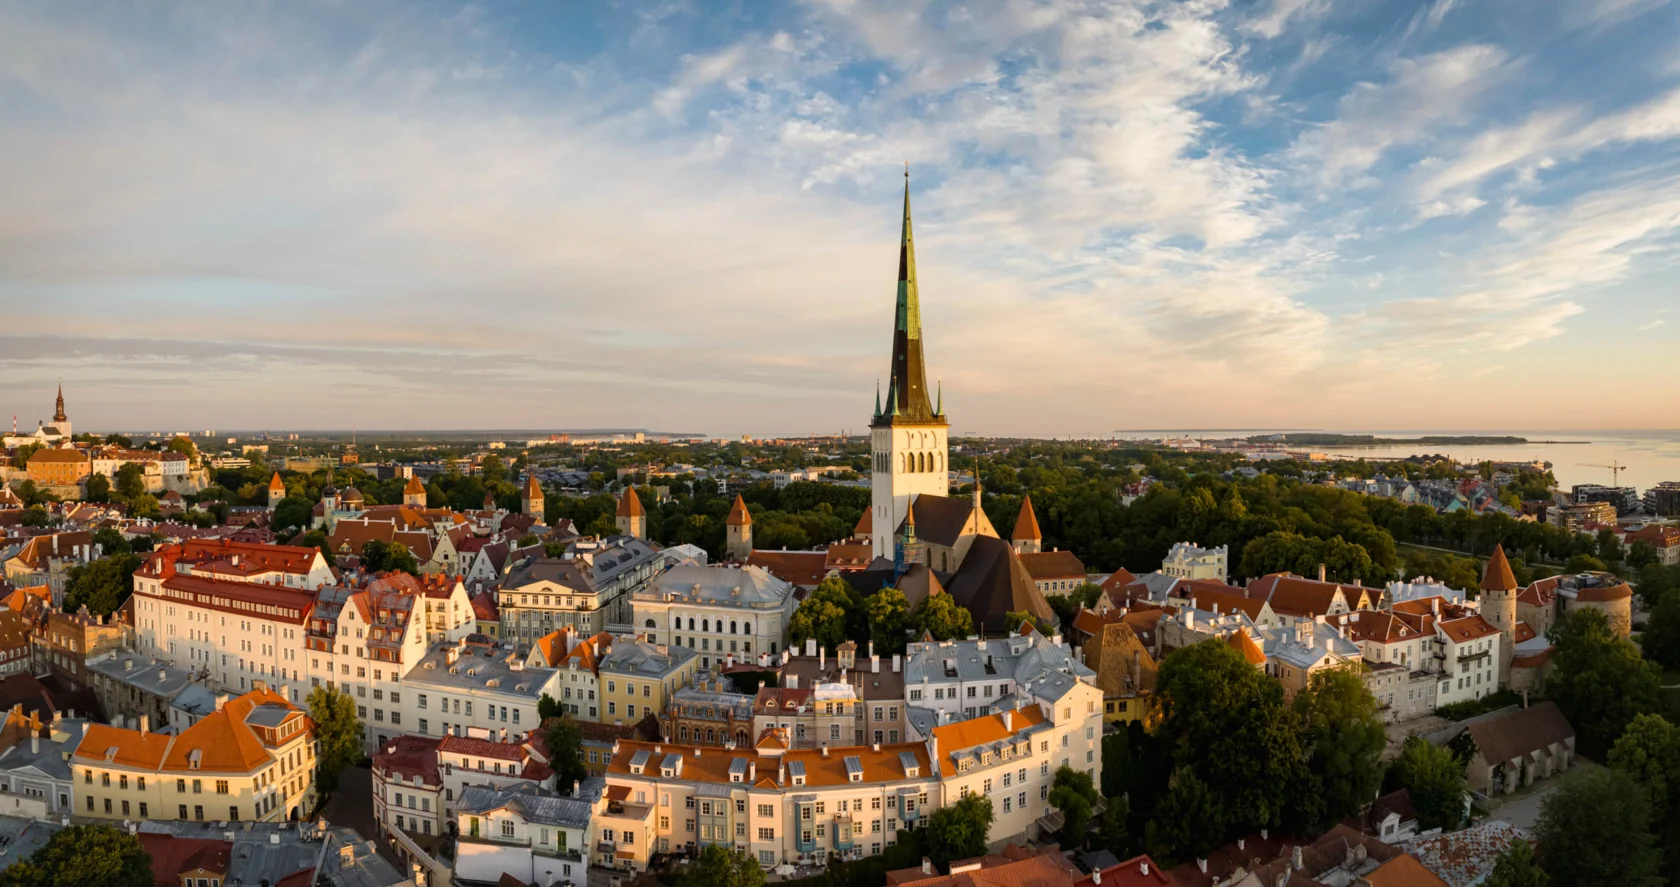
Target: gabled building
{"points": [[536, 836], [716, 611]]}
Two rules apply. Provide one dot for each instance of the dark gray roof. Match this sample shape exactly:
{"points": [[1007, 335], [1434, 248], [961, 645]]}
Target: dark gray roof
{"points": [[991, 583], [939, 519]]}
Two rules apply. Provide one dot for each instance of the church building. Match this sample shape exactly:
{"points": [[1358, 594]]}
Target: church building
{"points": [[918, 532]]}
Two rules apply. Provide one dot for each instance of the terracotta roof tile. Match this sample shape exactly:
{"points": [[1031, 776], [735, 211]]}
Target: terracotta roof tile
{"points": [[1497, 576], [1026, 523], [630, 504], [739, 516]]}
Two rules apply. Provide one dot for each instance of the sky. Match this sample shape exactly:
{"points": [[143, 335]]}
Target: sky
{"points": [[1457, 214]]}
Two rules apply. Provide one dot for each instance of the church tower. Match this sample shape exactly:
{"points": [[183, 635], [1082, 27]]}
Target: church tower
{"points": [[1499, 606], [909, 434], [531, 498], [631, 518], [738, 529], [60, 420]]}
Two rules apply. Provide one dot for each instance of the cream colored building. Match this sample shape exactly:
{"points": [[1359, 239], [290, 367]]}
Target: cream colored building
{"points": [[779, 805], [252, 760], [636, 678]]}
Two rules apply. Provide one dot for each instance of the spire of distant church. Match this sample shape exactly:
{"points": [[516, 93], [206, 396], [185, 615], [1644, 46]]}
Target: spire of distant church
{"points": [[907, 391], [58, 414]]}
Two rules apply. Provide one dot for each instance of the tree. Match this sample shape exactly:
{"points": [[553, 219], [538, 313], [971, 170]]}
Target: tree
{"points": [[1073, 793], [183, 446], [101, 585], [1517, 868], [1192, 819], [1661, 641], [20, 458], [293, 511], [1582, 563], [1344, 738], [1648, 751], [1599, 680], [548, 707], [110, 541], [1436, 782], [379, 556], [720, 866], [131, 481], [825, 614], [1227, 723], [565, 749], [959, 831], [1596, 829], [889, 620], [942, 617], [98, 488], [337, 732], [84, 856], [119, 440], [35, 516]]}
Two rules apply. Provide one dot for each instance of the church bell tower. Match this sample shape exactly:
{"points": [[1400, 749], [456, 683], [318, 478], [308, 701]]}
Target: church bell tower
{"points": [[909, 433]]}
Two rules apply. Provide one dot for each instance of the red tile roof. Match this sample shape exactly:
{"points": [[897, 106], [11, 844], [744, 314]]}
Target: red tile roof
{"points": [[738, 514], [1026, 523], [630, 504], [1498, 576]]}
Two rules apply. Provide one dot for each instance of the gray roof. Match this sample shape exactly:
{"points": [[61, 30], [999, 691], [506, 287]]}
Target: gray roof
{"points": [[638, 658], [20, 837], [269, 715], [531, 802], [512, 676], [640, 758], [196, 700], [908, 761], [1021, 658], [255, 856], [730, 586], [365, 868], [50, 759], [144, 673]]}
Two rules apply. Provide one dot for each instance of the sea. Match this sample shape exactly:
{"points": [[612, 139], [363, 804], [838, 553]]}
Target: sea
{"points": [[1576, 456]]}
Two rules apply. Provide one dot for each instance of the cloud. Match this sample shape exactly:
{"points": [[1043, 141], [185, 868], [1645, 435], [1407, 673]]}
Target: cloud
{"points": [[1647, 327], [1271, 23], [1420, 95], [1459, 207]]}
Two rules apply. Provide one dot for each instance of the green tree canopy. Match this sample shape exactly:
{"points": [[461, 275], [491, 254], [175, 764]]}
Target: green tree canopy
{"points": [[1343, 737], [293, 512], [83, 856], [889, 620], [131, 481], [1599, 680], [959, 830], [1517, 868], [337, 731], [1595, 829], [98, 488], [101, 585], [1648, 751], [1436, 782], [826, 614], [1073, 793], [720, 866], [564, 739], [942, 617], [1227, 723]]}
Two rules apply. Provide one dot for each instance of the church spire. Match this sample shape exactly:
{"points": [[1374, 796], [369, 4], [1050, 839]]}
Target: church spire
{"points": [[58, 413], [907, 391]]}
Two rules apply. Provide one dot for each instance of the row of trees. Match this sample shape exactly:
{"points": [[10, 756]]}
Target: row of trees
{"points": [[835, 612]]}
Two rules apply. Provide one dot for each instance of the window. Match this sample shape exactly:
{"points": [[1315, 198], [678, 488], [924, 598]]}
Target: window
{"points": [[221, 786], [507, 828], [768, 810], [233, 814], [767, 834]]}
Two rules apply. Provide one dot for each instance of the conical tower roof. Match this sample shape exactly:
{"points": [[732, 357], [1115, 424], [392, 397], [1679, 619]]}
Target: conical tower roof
{"points": [[907, 394], [629, 504], [414, 487], [1498, 576], [738, 515], [1026, 523], [276, 484], [533, 490]]}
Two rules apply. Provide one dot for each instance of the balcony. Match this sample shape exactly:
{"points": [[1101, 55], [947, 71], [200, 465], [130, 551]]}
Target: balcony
{"points": [[804, 841], [843, 833]]}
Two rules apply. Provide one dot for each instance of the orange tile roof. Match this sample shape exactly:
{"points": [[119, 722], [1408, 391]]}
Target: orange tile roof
{"points": [[143, 751], [1468, 628], [533, 489], [1026, 523], [630, 504], [1119, 579], [793, 567], [1498, 576], [980, 731], [865, 524], [1052, 565], [1242, 643], [414, 487], [224, 741], [1299, 596], [738, 514], [1207, 594], [276, 484]]}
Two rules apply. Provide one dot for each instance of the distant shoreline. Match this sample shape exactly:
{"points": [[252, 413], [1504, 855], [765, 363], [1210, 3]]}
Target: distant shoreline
{"points": [[1356, 441]]}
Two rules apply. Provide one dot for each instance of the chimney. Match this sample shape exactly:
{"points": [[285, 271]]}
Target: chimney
{"points": [[1202, 864], [874, 664], [145, 723], [35, 745], [752, 772], [927, 866], [810, 646], [1008, 719], [1241, 842], [822, 658], [1321, 572], [1295, 860], [825, 749], [895, 663], [1144, 867], [1096, 876]]}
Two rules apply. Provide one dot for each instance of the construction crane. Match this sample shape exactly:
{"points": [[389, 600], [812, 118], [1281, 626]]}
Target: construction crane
{"points": [[1616, 469]]}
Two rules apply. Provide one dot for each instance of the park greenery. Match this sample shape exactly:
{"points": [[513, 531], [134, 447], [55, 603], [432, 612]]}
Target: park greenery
{"points": [[835, 612]]}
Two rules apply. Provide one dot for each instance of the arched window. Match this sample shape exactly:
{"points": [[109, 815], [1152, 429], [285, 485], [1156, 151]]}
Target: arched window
{"points": [[650, 623], [708, 735], [746, 628], [691, 623], [732, 627], [922, 460], [684, 732]]}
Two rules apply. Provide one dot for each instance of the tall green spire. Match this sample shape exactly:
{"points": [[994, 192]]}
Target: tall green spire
{"points": [[907, 391]]}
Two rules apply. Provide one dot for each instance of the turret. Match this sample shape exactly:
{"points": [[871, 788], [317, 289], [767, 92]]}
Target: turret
{"points": [[276, 491], [631, 518], [738, 531], [1027, 539], [531, 499], [414, 494]]}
